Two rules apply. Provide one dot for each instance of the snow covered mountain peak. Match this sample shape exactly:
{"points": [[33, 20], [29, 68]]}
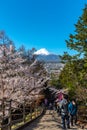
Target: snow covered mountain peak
{"points": [[42, 51]]}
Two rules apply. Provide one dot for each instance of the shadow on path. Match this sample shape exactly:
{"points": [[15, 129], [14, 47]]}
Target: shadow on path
{"points": [[49, 121]]}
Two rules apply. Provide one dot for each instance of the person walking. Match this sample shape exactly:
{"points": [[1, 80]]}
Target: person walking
{"points": [[72, 108], [64, 112], [46, 103]]}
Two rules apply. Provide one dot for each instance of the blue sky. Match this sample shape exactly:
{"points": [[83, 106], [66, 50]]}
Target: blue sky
{"points": [[40, 23]]}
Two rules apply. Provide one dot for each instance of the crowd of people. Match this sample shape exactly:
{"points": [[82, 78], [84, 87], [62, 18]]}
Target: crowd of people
{"points": [[66, 109]]}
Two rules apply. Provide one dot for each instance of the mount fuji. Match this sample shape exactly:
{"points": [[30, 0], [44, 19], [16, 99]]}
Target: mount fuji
{"points": [[42, 51], [45, 56]]}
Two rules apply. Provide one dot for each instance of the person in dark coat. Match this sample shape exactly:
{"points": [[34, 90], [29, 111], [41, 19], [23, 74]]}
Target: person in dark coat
{"points": [[72, 108], [64, 112]]}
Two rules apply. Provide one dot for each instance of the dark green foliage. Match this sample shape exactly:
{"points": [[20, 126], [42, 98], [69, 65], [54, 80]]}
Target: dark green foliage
{"points": [[55, 82], [78, 40], [74, 74]]}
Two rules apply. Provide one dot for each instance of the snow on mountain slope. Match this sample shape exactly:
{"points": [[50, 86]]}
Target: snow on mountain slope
{"points": [[42, 51], [44, 55]]}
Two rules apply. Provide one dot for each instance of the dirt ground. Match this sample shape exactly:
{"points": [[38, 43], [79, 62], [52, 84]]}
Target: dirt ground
{"points": [[49, 121]]}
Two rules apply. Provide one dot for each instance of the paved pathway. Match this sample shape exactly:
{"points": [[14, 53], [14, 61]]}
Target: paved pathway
{"points": [[49, 121]]}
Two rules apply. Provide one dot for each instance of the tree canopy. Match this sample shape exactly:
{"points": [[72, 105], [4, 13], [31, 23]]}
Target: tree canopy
{"points": [[22, 77], [74, 74]]}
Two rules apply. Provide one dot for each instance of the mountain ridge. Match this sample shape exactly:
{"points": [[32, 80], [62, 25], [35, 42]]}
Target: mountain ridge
{"points": [[49, 58], [45, 56]]}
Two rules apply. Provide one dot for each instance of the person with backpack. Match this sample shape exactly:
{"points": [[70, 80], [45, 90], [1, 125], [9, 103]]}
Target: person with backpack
{"points": [[64, 112], [72, 108]]}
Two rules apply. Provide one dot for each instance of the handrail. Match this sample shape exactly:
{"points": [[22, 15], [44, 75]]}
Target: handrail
{"points": [[12, 118]]}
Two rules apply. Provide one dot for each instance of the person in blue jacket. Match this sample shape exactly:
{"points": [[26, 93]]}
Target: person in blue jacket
{"points": [[72, 108]]}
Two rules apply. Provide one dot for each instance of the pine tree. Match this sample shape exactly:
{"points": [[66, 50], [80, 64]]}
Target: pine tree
{"points": [[78, 40], [74, 74]]}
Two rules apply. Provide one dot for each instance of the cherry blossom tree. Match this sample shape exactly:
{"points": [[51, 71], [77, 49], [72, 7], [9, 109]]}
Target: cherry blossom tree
{"points": [[20, 78]]}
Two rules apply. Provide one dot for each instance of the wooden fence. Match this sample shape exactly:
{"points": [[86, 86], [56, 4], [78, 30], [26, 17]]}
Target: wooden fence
{"points": [[12, 117]]}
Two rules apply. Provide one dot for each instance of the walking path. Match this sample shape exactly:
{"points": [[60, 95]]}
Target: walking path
{"points": [[49, 121]]}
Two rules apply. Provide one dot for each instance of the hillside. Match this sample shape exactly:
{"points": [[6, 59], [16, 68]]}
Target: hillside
{"points": [[52, 62]]}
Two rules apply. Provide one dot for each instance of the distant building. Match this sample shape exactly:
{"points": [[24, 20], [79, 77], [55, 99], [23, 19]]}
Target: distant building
{"points": [[54, 67]]}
